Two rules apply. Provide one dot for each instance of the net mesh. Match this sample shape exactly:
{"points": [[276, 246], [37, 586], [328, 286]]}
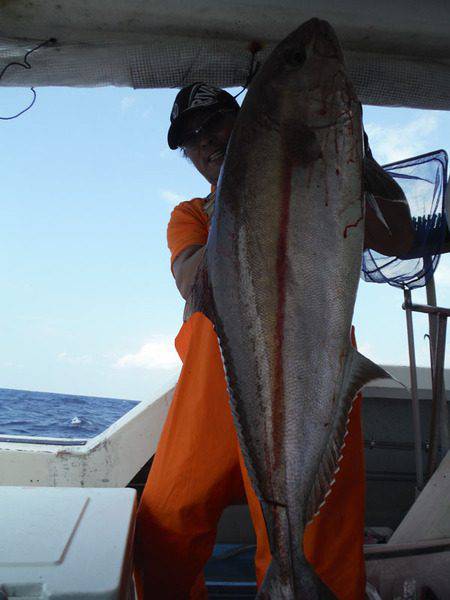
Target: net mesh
{"points": [[175, 61], [423, 180]]}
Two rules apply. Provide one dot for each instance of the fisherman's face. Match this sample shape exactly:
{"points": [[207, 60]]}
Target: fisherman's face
{"points": [[204, 140]]}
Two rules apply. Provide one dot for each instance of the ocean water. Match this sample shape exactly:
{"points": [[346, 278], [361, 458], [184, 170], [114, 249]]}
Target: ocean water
{"points": [[58, 415]]}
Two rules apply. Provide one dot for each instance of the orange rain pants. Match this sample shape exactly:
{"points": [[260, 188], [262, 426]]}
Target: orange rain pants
{"points": [[198, 471]]}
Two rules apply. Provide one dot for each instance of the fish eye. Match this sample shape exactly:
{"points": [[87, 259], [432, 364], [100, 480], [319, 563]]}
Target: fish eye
{"points": [[297, 57]]}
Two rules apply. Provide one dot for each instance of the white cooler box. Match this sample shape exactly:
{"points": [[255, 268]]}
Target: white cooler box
{"points": [[66, 543]]}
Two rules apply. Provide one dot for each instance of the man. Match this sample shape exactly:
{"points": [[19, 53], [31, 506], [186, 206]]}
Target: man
{"points": [[198, 469]]}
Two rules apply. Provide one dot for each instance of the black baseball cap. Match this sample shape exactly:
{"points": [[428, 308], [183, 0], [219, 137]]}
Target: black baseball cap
{"points": [[191, 98]]}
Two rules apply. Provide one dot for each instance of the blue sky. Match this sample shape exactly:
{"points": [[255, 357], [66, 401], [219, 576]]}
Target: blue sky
{"points": [[87, 184]]}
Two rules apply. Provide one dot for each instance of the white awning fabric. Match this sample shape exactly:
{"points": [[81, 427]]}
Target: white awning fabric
{"points": [[397, 52]]}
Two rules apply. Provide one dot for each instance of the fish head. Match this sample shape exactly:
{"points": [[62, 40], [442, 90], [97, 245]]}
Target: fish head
{"points": [[305, 78]]}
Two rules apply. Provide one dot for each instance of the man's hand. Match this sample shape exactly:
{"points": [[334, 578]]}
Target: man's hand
{"points": [[393, 234]]}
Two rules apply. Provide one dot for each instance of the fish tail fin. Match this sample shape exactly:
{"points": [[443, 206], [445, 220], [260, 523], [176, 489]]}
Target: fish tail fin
{"points": [[289, 576], [304, 583]]}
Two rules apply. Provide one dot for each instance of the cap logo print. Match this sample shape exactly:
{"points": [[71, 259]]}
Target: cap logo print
{"points": [[175, 111], [202, 96]]}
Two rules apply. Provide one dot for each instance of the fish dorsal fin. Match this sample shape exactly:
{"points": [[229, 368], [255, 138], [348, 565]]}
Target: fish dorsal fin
{"points": [[358, 370]]}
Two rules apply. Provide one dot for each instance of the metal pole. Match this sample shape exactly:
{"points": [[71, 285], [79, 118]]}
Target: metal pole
{"points": [[440, 384], [432, 319], [414, 393], [429, 310], [439, 422], [433, 341], [438, 410]]}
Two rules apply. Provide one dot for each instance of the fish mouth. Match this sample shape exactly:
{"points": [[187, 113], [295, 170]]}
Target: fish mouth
{"points": [[217, 155]]}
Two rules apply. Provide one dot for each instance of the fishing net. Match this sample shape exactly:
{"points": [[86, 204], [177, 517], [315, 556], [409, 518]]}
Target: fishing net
{"points": [[423, 180]]}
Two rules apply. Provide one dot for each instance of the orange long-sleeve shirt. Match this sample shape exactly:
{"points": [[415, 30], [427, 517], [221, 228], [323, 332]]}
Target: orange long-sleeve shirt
{"points": [[188, 226]]}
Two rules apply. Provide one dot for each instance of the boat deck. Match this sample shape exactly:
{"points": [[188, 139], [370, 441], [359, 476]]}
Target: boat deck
{"points": [[230, 572]]}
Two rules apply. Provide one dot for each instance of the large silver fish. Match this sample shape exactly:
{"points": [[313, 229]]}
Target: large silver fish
{"points": [[283, 263]]}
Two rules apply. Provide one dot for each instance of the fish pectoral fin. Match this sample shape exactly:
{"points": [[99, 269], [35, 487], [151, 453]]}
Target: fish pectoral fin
{"points": [[200, 298], [301, 144], [358, 371]]}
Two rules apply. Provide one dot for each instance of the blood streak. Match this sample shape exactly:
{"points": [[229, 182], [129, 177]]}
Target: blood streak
{"points": [[350, 225], [278, 392]]}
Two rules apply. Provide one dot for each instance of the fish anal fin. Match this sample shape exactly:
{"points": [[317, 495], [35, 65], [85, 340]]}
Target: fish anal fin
{"points": [[358, 371]]}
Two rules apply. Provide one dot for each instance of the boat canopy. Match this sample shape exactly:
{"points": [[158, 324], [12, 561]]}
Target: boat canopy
{"points": [[397, 52]]}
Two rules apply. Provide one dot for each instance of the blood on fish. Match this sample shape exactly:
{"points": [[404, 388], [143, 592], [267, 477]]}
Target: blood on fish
{"points": [[277, 407], [352, 225]]}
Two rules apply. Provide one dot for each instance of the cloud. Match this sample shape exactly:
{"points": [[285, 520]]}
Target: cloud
{"points": [[390, 144], [158, 353], [12, 365], [127, 102], [171, 197], [82, 359]]}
